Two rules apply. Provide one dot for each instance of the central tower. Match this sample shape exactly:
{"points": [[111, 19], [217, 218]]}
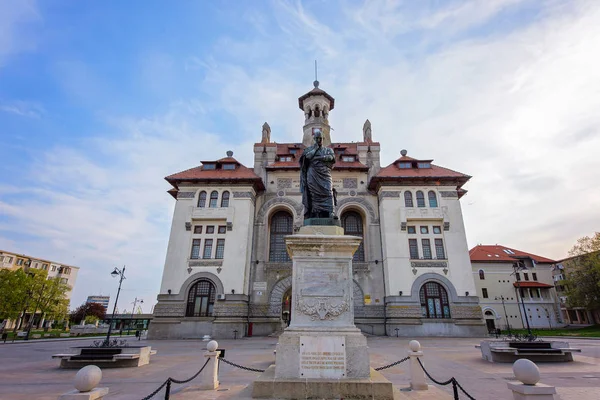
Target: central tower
{"points": [[316, 105]]}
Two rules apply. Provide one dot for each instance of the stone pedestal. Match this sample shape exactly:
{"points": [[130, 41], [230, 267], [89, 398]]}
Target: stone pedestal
{"points": [[322, 352]]}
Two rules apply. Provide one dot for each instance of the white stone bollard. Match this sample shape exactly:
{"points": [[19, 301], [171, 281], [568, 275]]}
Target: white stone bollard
{"points": [[86, 380], [210, 375], [529, 389], [417, 375]]}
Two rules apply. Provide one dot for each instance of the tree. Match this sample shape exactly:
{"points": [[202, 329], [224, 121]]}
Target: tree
{"points": [[86, 309], [31, 290], [583, 273]]}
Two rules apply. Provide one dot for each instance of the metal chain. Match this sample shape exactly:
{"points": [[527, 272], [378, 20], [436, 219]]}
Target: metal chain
{"points": [[169, 379], [195, 375], [241, 367], [463, 390], [449, 381], [392, 364], [157, 390]]}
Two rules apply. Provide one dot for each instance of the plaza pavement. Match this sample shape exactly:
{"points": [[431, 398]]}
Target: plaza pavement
{"points": [[28, 372]]}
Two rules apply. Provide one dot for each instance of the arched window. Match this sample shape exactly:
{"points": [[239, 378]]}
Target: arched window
{"points": [[408, 202], [420, 199], [225, 199], [434, 301], [214, 196], [202, 199], [282, 225], [353, 226], [481, 274], [432, 199], [201, 299]]}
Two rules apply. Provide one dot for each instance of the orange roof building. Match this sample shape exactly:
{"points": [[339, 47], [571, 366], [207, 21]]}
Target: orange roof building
{"points": [[227, 267]]}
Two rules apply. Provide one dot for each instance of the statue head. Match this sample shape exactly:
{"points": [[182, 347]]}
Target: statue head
{"points": [[318, 137]]}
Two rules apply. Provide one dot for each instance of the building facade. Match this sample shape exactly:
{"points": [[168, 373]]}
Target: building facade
{"points": [[66, 273], [103, 300], [506, 279], [227, 271]]}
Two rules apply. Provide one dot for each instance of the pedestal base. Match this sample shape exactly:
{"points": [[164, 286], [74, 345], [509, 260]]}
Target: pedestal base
{"points": [[303, 354], [376, 386]]}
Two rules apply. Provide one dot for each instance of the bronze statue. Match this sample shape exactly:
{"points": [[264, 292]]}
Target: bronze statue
{"points": [[316, 184]]}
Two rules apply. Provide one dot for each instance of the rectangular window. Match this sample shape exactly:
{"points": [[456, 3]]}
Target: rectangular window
{"points": [[53, 268], [404, 165], [228, 166], [424, 165], [484, 293], [293, 151], [195, 249], [209, 166], [411, 229], [426, 248], [20, 261], [518, 276], [220, 249], [44, 267], [198, 229], [64, 280], [10, 259], [348, 158], [440, 254], [67, 271], [522, 293], [207, 248], [526, 276], [424, 229], [534, 276], [222, 229], [414, 249], [210, 229], [437, 230], [1, 258]]}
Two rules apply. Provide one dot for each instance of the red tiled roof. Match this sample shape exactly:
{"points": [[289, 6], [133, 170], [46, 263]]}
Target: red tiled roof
{"points": [[521, 284], [200, 174], [392, 173], [496, 253]]}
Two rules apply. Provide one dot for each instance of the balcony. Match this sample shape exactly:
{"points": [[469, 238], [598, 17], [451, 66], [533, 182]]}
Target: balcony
{"points": [[424, 213], [224, 213]]}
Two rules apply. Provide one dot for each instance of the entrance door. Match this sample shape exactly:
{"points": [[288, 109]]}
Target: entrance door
{"points": [[491, 326], [286, 307]]}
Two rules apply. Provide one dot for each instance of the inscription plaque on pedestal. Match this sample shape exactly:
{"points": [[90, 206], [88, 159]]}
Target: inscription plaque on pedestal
{"points": [[323, 357]]}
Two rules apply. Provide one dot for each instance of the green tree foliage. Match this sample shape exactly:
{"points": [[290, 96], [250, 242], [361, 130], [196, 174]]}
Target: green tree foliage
{"points": [[30, 290], [85, 310], [583, 273]]}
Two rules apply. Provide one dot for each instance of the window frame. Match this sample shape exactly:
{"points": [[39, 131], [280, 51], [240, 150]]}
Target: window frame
{"points": [[197, 229], [196, 291], [432, 197], [359, 254], [420, 199], [444, 301], [412, 228], [195, 249], [481, 274], [208, 245], [213, 199], [277, 248], [225, 199], [202, 199], [408, 199], [222, 230], [413, 249], [220, 249], [210, 229], [426, 247], [484, 293], [439, 244]]}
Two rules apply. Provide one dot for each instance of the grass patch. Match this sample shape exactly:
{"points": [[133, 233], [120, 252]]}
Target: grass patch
{"points": [[589, 331]]}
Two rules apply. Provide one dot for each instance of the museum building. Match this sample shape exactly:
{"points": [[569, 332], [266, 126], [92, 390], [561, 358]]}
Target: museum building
{"points": [[227, 271]]}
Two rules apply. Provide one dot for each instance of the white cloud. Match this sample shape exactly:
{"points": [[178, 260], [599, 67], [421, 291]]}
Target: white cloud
{"points": [[23, 108], [517, 110], [15, 18]]}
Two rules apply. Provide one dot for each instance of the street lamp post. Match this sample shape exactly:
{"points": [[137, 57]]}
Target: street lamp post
{"points": [[505, 315], [114, 274], [132, 311], [516, 268]]}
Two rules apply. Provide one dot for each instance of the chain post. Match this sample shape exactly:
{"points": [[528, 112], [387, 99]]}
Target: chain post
{"points": [[455, 389], [168, 389]]}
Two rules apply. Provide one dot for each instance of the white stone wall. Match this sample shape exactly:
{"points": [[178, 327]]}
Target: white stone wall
{"points": [[399, 271], [233, 267]]}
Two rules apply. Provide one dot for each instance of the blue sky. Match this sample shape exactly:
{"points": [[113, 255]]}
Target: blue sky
{"points": [[100, 100]]}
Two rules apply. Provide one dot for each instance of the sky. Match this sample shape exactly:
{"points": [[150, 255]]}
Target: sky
{"points": [[100, 100]]}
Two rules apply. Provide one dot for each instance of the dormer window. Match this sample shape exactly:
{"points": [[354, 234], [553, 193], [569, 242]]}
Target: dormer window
{"points": [[424, 165], [348, 158], [404, 165], [209, 166], [508, 251], [285, 158], [229, 166], [293, 151]]}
